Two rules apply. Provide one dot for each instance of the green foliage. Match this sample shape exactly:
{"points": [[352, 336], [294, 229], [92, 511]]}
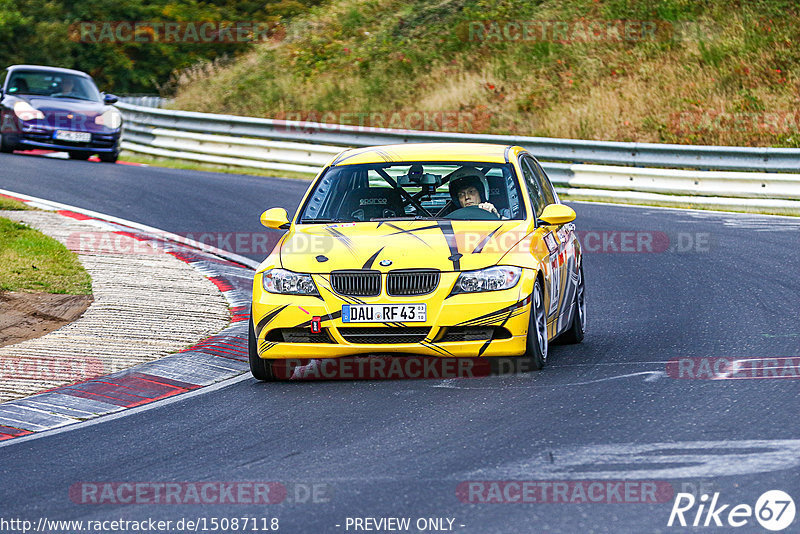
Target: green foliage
{"points": [[48, 32]]}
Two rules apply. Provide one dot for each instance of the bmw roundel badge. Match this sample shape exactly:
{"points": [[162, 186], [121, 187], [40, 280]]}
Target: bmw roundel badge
{"points": [[385, 263]]}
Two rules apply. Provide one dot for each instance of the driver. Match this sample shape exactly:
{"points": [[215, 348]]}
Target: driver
{"points": [[68, 88], [468, 187]]}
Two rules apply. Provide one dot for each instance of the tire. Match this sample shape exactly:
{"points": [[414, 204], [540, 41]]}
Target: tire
{"points": [[577, 329], [260, 368], [79, 155], [108, 157], [537, 343], [4, 146]]}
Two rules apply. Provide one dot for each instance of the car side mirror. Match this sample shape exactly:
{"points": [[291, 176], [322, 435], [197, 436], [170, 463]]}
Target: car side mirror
{"points": [[556, 215], [110, 99], [275, 218]]}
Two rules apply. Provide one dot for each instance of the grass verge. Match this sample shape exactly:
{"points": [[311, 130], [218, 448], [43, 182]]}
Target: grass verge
{"points": [[688, 206], [11, 204], [171, 163], [32, 261]]}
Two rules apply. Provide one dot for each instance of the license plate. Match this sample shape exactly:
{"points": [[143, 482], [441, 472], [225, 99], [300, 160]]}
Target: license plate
{"points": [[384, 313], [68, 135]]}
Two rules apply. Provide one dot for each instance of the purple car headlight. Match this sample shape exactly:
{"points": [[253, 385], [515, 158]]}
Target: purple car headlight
{"points": [[26, 112], [110, 119]]}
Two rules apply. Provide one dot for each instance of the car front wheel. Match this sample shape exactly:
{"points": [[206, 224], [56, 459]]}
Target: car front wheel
{"points": [[261, 369], [537, 343], [5, 146], [108, 157]]}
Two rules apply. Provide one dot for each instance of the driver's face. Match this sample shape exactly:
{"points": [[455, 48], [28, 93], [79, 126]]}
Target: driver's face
{"points": [[469, 196]]}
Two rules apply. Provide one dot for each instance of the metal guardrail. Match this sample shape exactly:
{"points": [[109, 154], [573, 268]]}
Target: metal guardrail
{"points": [[306, 147]]}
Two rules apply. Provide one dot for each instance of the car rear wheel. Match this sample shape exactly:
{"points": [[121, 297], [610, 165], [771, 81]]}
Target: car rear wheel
{"points": [[79, 155], [578, 327], [537, 343]]}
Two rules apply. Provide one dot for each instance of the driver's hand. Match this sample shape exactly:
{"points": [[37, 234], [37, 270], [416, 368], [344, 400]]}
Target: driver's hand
{"points": [[488, 206]]}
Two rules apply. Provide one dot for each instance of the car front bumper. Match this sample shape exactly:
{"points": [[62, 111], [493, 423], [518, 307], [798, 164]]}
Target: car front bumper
{"points": [[465, 325]]}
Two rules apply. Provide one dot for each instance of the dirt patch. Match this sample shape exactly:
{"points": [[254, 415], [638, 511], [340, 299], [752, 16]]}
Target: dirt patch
{"points": [[30, 315]]}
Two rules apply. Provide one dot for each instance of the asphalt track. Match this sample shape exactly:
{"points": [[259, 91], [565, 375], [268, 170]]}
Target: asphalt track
{"points": [[604, 410]]}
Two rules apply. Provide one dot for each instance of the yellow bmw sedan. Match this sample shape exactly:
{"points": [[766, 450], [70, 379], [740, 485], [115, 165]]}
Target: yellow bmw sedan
{"points": [[445, 250]]}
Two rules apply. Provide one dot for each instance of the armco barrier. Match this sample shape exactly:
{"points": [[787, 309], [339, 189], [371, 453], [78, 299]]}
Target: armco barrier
{"points": [[571, 164]]}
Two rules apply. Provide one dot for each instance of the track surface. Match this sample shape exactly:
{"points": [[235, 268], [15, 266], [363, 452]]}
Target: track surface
{"points": [[400, 448]]}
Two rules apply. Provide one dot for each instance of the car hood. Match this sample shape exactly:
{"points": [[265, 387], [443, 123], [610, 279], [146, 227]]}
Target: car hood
{"points": [[57, 112], [444, 245]]}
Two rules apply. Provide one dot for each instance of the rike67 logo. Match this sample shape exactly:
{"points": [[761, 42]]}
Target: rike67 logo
{"points": [[774, 510]]}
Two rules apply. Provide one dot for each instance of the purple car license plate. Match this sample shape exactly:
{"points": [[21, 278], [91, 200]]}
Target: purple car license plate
{"points": [[69, 135]]}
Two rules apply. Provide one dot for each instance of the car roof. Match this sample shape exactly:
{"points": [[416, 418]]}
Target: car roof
{"points": [[44, 68], [439, 152]]}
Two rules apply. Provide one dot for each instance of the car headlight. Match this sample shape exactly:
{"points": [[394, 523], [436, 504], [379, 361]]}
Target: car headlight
{"points": [[110, 119], [26, 112], [491, 279], [288, 283]]}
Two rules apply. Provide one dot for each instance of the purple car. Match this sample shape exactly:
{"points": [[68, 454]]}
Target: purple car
{"points": [[57, 109]]}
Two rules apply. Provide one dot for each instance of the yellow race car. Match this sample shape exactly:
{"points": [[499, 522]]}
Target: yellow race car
{"points": [[435, 249]]}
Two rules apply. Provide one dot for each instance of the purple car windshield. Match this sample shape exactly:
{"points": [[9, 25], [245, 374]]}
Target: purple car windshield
{"points": [[52, 84]]}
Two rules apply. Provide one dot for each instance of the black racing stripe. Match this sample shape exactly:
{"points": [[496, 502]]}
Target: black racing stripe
{"points": [[357, 153], [411, 232], [489, 341], [455, 256], [441, 350], [485, 240], [371, 260], [514, 306], [346, 298], [484, 318], [267, 318], [346, 241], [264, 347]]}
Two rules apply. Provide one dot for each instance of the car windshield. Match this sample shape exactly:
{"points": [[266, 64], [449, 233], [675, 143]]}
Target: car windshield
{"points": [[415, 190], [52, 84]]}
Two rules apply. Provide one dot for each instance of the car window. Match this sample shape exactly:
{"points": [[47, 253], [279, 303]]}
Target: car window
{"points": [[52, 84], [550, 195], [360, 193], [534, 187]]}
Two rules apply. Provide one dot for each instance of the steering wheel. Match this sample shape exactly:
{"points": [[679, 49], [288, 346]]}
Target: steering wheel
{"points": [[472, 213]]}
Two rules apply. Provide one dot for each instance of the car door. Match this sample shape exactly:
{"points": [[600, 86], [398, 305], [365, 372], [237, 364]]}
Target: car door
{"points": [[568, 252], [553, 268]]}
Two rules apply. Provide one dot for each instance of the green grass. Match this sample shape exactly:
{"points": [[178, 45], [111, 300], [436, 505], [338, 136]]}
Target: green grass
{"points": [[172, 163], [717, 73], [31, 261], [10, 204], [688, 205]]}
